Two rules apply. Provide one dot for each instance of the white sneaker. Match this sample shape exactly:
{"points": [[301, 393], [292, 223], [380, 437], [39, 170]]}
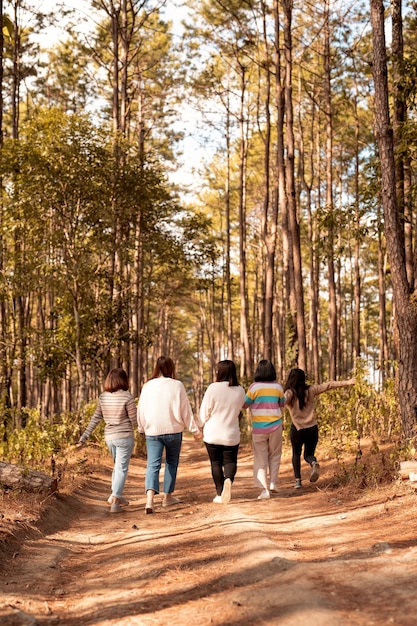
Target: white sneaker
{"points": [[122, 500], [170, 500], [315, 471], [264, 495], [218, 500], [115, 506], [273, 487], [227, 491]]}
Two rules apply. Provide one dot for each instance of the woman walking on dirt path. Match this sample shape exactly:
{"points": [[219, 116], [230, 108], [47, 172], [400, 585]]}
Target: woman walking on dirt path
{"points": [[300, 401], [163, 413], [265, 399], [117, 407], [219, 418]]}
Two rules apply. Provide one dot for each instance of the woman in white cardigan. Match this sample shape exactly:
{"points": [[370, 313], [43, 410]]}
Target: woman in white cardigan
{"points": [[219, 418], [163, 413]]}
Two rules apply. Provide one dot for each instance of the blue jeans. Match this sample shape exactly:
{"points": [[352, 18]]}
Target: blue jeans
{"points": [[155, 445], [121, 451]]}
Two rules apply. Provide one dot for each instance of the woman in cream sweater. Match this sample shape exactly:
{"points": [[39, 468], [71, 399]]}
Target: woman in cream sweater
{"points": [[163, 413], [219, 418]]}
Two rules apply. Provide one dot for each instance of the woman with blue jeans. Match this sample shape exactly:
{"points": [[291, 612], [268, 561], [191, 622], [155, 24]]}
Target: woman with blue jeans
{"points": [[117, 407], [163, 413]]}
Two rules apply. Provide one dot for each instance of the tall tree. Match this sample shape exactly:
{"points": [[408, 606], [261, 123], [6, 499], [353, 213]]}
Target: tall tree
{"points": [[280, 200], [333, 313], [404, 299], [293, 216], [246, 364], [270, 203]]}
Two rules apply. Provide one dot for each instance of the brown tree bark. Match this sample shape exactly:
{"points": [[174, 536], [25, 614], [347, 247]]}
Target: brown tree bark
{"points": [[270, 209], [5, 383], [230, 339], [246, 362], [333, 326], [382, 323], [312, 238], [357, 273], [293, 218], [286, 300], [405, 301], [400, 146]]}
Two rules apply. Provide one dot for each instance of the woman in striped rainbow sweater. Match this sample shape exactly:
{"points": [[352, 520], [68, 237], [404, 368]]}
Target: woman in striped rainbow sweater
{"points": [[265, 399]]}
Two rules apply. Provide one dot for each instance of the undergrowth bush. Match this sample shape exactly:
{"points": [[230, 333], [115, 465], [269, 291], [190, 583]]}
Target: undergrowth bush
{"points": [[363, 424], [360, 411], [42, 443]]}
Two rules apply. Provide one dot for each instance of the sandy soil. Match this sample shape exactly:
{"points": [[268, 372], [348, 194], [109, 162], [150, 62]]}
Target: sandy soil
{"points": [[315, 556]]}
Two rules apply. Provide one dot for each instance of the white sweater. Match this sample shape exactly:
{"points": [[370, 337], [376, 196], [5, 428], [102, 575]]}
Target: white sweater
{"points": [[164, 408], [219, 414]]}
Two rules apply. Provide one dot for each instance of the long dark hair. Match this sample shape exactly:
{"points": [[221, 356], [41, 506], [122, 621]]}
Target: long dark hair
{"points": [[116, 379], [164, 367], [296, 381], [265, 372], [226, 370]]}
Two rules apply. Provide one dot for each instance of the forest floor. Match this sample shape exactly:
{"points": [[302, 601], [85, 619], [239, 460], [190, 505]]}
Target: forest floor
{"points": [[321, 556]]}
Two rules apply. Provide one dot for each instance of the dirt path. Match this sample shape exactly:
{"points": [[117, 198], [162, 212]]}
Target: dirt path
{"points": [[303, 557]]}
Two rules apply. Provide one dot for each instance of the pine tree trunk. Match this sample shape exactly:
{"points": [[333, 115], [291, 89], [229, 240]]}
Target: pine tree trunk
{"points": [[333, 326], [269, 214], [246, 363], [293, 220], [383, 343], [356, 263], [405, 303], [286, 299], [230, 339]]}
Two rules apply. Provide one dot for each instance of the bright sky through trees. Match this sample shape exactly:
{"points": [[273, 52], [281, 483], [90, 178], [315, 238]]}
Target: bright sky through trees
{"points": [[193, 149]]}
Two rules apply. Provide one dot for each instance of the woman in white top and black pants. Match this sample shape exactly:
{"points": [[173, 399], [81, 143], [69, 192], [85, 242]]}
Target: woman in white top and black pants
{"points": [[219, 418]]}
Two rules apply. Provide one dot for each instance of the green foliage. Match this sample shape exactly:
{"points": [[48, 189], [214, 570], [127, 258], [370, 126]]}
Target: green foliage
{"points": [[42, 442], [86, 415], [362, 423], [39, 442], [360, 411]]}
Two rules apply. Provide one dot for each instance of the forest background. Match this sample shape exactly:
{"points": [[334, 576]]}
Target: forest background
{"points": [[293, 238]]}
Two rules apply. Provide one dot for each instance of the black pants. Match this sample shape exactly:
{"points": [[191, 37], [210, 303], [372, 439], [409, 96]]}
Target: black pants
{"points": [[307, 437], [223, 461]]}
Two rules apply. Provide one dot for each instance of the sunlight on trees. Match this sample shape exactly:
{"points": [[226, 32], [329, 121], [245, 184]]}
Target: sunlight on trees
{"points": [[281, 247]]}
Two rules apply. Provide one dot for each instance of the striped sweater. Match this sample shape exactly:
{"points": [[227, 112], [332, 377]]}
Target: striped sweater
{"points": [[118, 409], [265, 401]]}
